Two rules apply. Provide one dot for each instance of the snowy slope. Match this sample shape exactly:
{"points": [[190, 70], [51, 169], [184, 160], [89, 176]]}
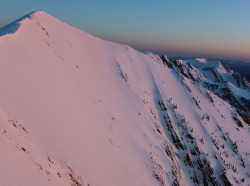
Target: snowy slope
{"points": [[106, 114], [222, 81], [23, 163]]}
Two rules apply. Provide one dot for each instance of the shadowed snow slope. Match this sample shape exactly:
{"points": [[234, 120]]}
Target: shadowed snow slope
{"points": [[106, 113]]}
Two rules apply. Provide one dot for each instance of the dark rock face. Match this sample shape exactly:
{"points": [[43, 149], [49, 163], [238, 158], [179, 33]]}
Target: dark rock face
{"points": [[217, 82], [166, 61]]}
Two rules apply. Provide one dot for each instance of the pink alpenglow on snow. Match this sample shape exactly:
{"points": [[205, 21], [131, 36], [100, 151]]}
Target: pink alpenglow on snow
{"points": [[78, 110]]}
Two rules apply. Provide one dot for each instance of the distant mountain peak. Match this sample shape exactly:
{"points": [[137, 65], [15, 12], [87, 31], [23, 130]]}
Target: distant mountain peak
{"points": [[202, 60]]}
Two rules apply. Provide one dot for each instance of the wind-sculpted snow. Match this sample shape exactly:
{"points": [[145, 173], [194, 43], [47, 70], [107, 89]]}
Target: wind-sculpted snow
{"points": [[14, 26], [101, 113]]}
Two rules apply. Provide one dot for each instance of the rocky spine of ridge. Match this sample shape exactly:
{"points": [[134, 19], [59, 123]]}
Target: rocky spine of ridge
{"points": [[216, 83]]}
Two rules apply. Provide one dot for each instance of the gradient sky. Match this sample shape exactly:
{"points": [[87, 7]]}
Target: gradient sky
{"points": [[209, 28]]}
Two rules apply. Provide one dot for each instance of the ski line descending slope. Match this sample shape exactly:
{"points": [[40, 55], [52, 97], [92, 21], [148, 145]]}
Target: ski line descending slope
{"points": [[115, 115]]}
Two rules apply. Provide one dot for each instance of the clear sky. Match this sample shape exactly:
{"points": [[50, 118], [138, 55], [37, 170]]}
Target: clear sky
{"points": [[178, 27]]}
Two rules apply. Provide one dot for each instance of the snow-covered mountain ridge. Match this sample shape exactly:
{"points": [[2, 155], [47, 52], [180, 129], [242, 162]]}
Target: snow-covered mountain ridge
{"points": [[77, 110], [221, 80]]}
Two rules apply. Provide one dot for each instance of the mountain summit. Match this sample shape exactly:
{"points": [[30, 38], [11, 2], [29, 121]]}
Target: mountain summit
{"points": [[78, 110]]}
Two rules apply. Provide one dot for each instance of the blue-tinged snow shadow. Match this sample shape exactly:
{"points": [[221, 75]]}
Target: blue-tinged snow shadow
{"points": [[14, 26]]}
